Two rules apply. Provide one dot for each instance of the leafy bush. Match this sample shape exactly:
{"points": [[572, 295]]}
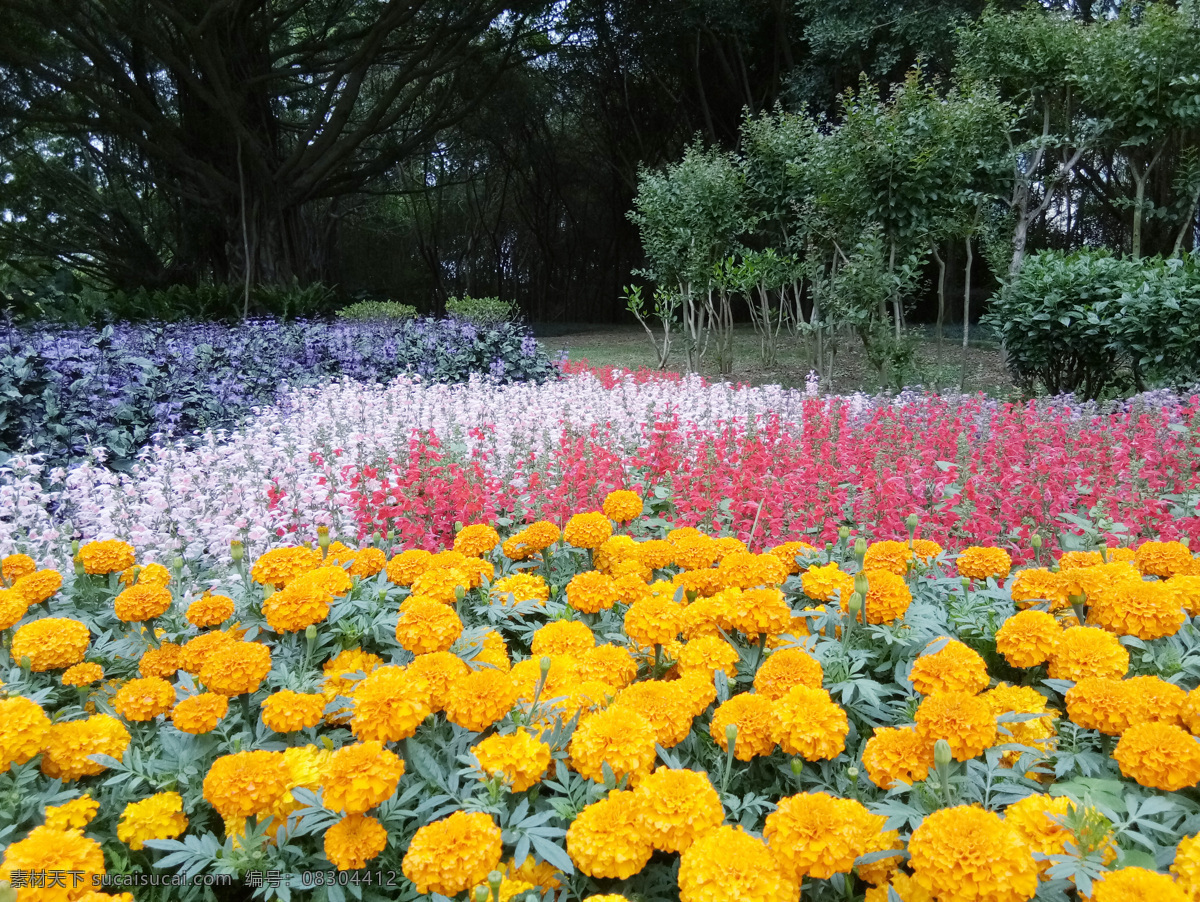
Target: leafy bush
{"points": [[63, 390], [482, 310], [1092, 323], [377, 310]]}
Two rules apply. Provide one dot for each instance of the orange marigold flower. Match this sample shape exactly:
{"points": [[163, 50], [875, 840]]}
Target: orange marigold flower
{"points": [[1028, 638], [441, 584], [353, 841], [897, 754], [622, 506], [195, 652], [39, 586], [664, 704], [1031, 586], [82, 675], [1101, 703], [591, 592], [236, 667], [707, 654], [426, 626], [73, 815], [210, 610], [331, 580], [158, 817], [360, 776], [888, 597], [438, 671], [147, 575], [623, 739], [757, 612], [965, 721], [405, 567], [493, 652], [14, 566], [811, 724], [727, 864], [390, 704], [1040, 821], [1155, 699], [69, 745], [13, 607], [786, 668], [606, 839], [163, 661], [966, 854], [476, 540], [827, 583], [1186, 866], [926, 550], [588, 530], [287, 711], [891, 556], [519, 757], [24, 729], [200, 713], [1084, 651], [610, 664], [453, 854], [1187, 591], [1159, 755], [757, 726], [694, 552], [246, 783], [1077, 560], [615, 550], [142, 602], [1163, 559], [677, 807], [367, 563], [49, 851], [1006, 699], [52, 643], [563, 637], [144, 699], [817, 835], [653, 621], [979, 562], [109, 556], [788, 552], [1134, 885], [480, 699], [296, 607], [953, 668], [522, 587], [280, 566], [1142, 609]]}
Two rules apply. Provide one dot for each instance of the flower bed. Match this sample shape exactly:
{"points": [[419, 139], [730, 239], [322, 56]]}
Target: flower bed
{"points": [[611, 710]]}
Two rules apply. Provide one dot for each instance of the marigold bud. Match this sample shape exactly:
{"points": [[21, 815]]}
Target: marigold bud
{"points": [[1036, 541], [942, 754], [481, 894], [237, 550], [844, 533], [310, 632], [459, 593]]}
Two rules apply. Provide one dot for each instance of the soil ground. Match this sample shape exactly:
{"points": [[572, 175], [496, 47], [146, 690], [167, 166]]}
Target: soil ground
{"points": [[629, 346]]}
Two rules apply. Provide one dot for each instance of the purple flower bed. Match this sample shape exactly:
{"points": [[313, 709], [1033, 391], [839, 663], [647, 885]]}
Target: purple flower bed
{"points": [[63, 391]]}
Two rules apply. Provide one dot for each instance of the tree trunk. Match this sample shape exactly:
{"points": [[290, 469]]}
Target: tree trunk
{"points": [[941, 314], [962, 378]]}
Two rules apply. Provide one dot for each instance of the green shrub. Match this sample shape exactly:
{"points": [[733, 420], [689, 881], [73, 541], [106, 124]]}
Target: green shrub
{"points": [[1094, 324], [378, 310], [482, 310]]}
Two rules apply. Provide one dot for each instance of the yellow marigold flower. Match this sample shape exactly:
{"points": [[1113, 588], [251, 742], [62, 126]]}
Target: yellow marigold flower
{"points": [[287, 711], [606, 839], [543, 874], [195, 652], [296, 607], [236, 667], [663, 704], [480, 699], [52, 643], [68, 745], [1159, 755], [616, 549], [142, 602], [694, 552], [329, 579], [1187, 591], [73, 815], [653, 621], [360, 776], [610, 664], [82, 675], [13, 606], [756, 612], [493, 652], [1162, 559], [926, 550], [201, 713], [38, 586], [891, 556], [1084, 651], [147, 574], [965, 721], [476, 540], [705, 617], [654, 554], [811, 724], [1190, 712], [563, 637], [966, 854], [353, 841], [622, 506], [519, 757], [453, 854], [405, 567], [158, 817], [729, 864], [367, 563], [727, 545], [47, 851], [522, 587], [757, 725], [1030, 586], [1039, 820], [707, 654], [953, 668], [438, 671], [441, 584], [786, 668], [621, 738], [425, 626], [1142, 609], [390, 704], [897, 754], [210, 610], [676, 807], [529, 541], [14, 566], [705, 583], [592, 592], [280, 566], [1077, 560], [246, 783], [904, 886], [979, 562], [1186, 866], [817, 835], [589, 530], [109, 556], [1006, 699], [827, 583], [144, 699], [163, 661], [1155, 699], [888, 597], [1135, 885], [1028, 638]]}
